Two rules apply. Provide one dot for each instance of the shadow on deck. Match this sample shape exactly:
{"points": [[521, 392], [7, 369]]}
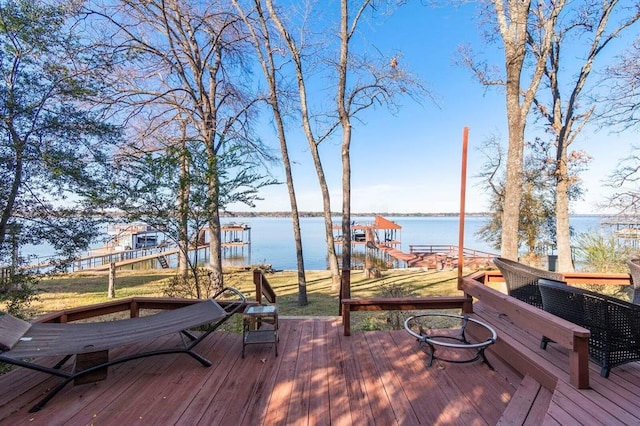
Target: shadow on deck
{"points": [[320, 377]]}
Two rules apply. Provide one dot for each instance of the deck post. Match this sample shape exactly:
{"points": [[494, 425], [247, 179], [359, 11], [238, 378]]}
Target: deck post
{"points": [[346, 319], [111, 290], [579, 363]]}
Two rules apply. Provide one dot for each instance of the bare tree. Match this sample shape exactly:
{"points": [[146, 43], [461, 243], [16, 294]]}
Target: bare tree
{"points": [[536, 205], [621, 90], [566, 119], [188, 62], [375, 83], [518, 22], [261, 34], [296, 50], [625, 180]]}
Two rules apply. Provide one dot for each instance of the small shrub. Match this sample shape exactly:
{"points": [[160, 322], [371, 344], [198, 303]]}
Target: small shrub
{"points": [[603, 254], [190, 286], [395, 319], [19, 292]]}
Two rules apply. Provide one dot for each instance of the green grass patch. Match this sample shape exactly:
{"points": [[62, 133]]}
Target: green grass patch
{"points": [[67, 291]]}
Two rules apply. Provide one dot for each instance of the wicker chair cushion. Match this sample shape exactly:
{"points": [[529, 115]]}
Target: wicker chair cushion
{"points": [[614, 324], [11, 330]]}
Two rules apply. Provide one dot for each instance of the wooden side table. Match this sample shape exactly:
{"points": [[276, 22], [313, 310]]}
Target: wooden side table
{"points": [[253, 319]]}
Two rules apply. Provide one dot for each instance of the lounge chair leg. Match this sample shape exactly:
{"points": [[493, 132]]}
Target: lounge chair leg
{"points": [[205, 362], [605, 371], [50, 395], [62, 361]]}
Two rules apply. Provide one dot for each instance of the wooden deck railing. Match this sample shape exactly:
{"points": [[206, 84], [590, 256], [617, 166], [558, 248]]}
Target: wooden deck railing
{"points": [[521, 315], [400, 304], [132, 304], [539, 322], [447, 248], [494, 276], [263, 288]]}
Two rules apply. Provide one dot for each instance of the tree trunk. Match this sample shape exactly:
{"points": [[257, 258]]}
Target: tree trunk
{"points": [[513, 187], [313, 146], [183, 211], [346, 140], [215, 253], [513, 17], [563, 237], [269, 69], [111, 290], [215, 245], [7, 211]]}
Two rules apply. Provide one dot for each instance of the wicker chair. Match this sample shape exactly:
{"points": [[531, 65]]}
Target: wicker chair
{"points": [[522, 280], [634, 269], [614, 324]]}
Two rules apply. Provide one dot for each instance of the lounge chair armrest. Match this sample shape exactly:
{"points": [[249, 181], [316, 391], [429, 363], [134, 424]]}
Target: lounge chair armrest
{"points": [[236, 304]]}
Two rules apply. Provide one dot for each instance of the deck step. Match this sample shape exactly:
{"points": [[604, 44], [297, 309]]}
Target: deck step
{"points": [[529, 404]]}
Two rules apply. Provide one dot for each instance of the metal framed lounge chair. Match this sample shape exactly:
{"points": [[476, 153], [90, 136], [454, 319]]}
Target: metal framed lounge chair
{"points": [[522, 280], [634, 270], [22, 343], [614, 323]]}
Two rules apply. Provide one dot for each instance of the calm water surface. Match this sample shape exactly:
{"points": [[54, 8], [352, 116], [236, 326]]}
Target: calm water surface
{"points": [[272, 238]]}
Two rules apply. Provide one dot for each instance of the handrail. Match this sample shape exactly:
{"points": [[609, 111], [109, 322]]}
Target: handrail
{"points": [[447, 248], [494, 276], [263, 288]]}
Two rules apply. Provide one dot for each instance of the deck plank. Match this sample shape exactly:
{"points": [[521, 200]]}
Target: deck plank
{"points": [[416, 381], [354, 382], [320, 377], [521, 403], [257, 407], [277, 409], [540, 407], [340, 408], [374, 383], [387, 370], [298, 410]]}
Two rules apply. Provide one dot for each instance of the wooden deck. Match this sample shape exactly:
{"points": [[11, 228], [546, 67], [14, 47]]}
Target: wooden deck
{"points": [[609, 401], [324, 377], [320, 377]]}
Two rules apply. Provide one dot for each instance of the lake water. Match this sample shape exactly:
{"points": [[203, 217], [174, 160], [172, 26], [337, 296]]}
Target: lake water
{"points": [[272, 238]]}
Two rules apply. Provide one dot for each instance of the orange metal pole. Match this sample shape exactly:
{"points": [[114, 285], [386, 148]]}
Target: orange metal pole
{"points": [[463, 192]]}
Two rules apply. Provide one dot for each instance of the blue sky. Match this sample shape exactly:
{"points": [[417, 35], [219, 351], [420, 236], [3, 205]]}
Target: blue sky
{"points": [[410, 162]]}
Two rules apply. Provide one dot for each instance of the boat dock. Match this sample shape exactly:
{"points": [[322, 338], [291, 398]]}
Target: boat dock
{"points": [[438, 256], [136, 247]]}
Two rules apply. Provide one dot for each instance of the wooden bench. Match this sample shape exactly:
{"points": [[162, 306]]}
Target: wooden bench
{"points": [[400, 304], [528, 405], [513, 318]]}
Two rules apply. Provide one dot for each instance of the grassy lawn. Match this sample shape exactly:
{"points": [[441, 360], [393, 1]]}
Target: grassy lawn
{"points": [[80, 289], [67, 291]]}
